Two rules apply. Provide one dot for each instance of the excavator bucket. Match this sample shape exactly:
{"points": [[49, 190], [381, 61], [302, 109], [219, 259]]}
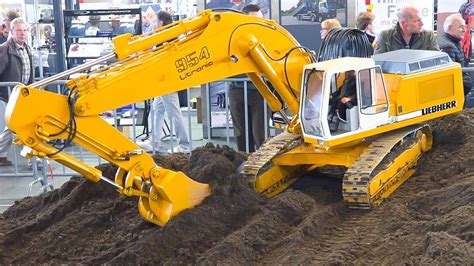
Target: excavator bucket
{"points": [[171, 193]]}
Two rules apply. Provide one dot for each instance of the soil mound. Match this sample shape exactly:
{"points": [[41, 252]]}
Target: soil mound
{"points": [[428, 220], [83, 222]]}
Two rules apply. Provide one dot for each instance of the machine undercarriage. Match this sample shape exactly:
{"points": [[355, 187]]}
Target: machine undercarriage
{"points": [[385, 162]]}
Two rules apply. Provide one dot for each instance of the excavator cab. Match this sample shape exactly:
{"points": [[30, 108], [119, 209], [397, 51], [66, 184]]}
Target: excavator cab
{"points": [[341, 98]]}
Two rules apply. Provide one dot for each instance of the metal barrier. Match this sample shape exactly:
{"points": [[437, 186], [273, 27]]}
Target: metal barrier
{"points": [[246, 111], [468, 69], [49, 169]]}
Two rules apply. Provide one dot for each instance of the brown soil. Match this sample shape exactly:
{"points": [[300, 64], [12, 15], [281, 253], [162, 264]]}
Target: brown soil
{"points": [[428, 220]]}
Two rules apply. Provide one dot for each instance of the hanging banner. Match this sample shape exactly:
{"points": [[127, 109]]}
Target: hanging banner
{"points": [[386, 11]]}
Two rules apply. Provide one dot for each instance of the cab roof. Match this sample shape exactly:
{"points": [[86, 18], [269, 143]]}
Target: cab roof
{"points": [[343, 64], [408, 61]]}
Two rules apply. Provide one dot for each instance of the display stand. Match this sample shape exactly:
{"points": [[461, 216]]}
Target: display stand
{"points": [[89, 33]]}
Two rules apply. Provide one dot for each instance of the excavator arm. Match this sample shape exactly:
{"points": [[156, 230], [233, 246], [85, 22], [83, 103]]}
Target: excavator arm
{"points": [[208, 47]]}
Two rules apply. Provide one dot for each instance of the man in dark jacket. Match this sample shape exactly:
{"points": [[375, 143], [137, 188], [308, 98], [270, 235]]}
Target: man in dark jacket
{"points": [[255, 103], [3, 33], [467, 12], [407, 34], [15, 66], [9, 17], [364, 22], [449, 42]]}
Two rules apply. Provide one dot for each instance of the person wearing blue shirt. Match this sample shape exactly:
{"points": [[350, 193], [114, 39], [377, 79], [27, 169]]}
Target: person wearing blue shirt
{"points": [[115, 25]]}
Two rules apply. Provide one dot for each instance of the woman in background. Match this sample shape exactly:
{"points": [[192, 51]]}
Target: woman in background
{"points": [[328, 25]]}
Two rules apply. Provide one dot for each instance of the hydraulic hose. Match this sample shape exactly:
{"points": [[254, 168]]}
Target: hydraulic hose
{"points": [[343, 43]]}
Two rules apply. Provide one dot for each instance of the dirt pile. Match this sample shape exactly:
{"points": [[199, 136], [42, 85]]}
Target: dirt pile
{"points": [[428, 220], [90, 223]]}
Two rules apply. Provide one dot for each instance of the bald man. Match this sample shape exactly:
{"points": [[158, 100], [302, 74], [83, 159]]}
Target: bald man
{"points": [[407, 34], [454, 28]]}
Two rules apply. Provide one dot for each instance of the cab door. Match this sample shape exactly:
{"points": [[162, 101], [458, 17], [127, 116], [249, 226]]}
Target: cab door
{"points": [[374, 104]]}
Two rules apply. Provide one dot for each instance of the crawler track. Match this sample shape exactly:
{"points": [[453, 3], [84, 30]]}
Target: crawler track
{"points": [[384, 166]]}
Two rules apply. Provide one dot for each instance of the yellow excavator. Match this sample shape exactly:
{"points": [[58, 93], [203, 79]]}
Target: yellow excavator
{"points": [[376, 141]]}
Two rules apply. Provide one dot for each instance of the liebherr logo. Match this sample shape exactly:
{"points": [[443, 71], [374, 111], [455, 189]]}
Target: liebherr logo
{"points": [[186, 65], [437, 108]]}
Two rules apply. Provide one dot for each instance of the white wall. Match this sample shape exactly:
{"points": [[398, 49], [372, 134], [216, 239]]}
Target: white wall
{"points": [[386, 12]]}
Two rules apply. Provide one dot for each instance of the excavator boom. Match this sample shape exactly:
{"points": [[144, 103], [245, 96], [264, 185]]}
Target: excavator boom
{"points": [[205, 48], [208, 47]]}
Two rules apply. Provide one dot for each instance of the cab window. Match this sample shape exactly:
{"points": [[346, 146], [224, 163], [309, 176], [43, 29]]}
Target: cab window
{"points": [[311, 112], [372, 91]]}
